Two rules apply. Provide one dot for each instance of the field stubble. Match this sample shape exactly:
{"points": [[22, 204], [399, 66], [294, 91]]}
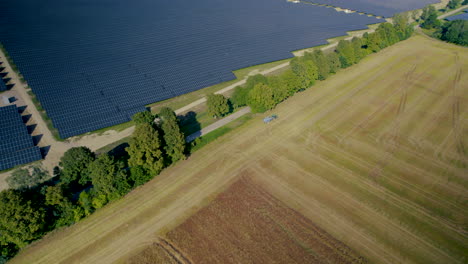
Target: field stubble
{"points": [[375, 156]]}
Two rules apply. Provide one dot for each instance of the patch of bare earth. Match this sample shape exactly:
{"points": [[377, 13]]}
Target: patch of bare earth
{"points": [[245, 224]]}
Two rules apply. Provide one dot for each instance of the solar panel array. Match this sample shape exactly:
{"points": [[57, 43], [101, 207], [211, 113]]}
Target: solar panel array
{"points": [[384, 8], [463, 16], [94, 63], [16, 145]]}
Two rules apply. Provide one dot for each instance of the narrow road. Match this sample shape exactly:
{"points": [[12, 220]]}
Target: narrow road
{"points": [[218, 124]]}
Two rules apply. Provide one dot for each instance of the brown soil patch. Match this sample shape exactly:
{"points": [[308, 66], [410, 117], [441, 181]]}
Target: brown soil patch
{"points": [[245, 224]]}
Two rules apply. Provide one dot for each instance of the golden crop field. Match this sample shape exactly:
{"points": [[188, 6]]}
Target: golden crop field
{"points": [[374, 157]]}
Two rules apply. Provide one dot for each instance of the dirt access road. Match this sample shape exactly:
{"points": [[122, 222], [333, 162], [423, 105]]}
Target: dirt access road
{"points": [[373, 156]]}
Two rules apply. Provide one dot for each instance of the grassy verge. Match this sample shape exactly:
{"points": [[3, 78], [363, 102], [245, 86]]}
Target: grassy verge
{"points": [[204, 140]]}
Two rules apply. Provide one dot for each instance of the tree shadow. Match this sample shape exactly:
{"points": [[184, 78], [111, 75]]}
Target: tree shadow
{"points": [[188, 123], [119, 152]]}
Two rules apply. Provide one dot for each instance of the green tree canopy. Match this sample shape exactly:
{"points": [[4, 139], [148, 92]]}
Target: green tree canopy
{"points": [[64, 208], [143, 117], [306, 70], [429, 16], [254, 80], [139, 175], [108, 177], [322, 64], [174, 138], [240, 96], [346, 54], [145, 149], [454, 4], [279, 87], [27, 177], [74, 163], [291, 82], [333, 62], [456, 32], [167, 113], [217, 105], [261, 98], [21, 219]]}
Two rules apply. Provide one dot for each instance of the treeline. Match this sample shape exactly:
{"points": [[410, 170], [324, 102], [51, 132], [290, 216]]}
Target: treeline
{"points": [[451, 31], [84, 182], [263, 93]]}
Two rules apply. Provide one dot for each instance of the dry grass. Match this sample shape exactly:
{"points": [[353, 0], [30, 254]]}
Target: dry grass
{"points": [[375, 156]]}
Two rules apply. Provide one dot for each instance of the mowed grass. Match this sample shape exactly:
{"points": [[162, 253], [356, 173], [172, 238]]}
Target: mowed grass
{"points": [[375, 156]]}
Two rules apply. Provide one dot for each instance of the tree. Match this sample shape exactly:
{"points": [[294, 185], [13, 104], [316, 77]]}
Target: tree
{"points": [[453, 4], [74, 163], [388, 35], [346, 53], [63, 207], [306, 70], [358, 51], [279, 87], [145, 149], [254, 80], [139, 175], [374, 42], [108, 177], [322, 64], [401, 25], [261, 98], [27, 178], [240, 96], [333, 62], [143, 117], [291, 82], [456, 32], [465, 2], [217, 105], [22, 220], [430, 18], [174, 138]]}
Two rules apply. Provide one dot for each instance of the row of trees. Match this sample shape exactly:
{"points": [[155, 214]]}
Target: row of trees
{"points": [[85, 182], [263, 93], [452, 31]]}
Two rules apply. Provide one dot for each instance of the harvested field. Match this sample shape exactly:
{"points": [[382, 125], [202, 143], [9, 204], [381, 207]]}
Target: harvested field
{"points": [[245, 224], [375, 156]]}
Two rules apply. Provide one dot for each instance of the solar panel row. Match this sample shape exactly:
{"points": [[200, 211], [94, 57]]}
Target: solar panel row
{"points": [[16, 145], [93, 63], [385, 8]]}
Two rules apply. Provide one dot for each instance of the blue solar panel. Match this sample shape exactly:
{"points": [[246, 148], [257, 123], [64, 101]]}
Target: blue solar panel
{"points": [[463, 16], [16, 145], [93, 63], [385, 8], [3, 86]]}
